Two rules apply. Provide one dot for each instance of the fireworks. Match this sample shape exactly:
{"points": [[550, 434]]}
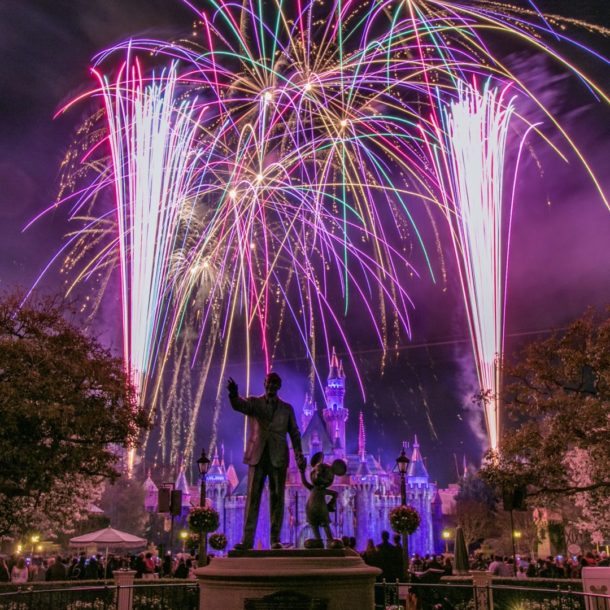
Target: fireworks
{"points": [[265, 183], [470, 164]]}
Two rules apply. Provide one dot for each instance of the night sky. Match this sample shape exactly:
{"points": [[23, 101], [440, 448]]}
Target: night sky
{"points": [[560, 261]]}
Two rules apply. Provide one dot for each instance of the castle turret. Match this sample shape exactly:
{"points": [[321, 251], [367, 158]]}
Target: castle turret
{"points": [[217, 486], [151, 494], [338, 451], [183, 485], [309, 408], [417, 474], [364, 484], [335, 414], [420, 494]]}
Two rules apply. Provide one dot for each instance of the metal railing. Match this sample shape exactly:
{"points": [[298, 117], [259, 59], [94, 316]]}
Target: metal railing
{"points": [[166, 596], [149, 595], [73, 598], [465, 596]]}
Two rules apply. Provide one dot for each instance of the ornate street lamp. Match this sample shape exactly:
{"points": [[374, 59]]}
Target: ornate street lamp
{"points": [[446, 535], [203, 463], [516, 537], [183, 536], [34, 539], [402, 464]]}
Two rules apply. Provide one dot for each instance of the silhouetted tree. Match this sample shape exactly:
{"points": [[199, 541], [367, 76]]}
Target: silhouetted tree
{"points": [[66, 408]]}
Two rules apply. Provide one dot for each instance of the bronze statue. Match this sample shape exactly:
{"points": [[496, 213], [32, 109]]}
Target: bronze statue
{"points": [[317, 509], [269, 419]]}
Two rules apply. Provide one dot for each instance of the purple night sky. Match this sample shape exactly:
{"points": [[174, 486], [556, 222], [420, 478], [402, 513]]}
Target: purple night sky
{"points": [[560, 260]]}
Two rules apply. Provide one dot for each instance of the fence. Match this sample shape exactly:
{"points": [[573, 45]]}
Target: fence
{"points": [[510, 594], [460, 594], [152, 595], [87, 597], [161, 596]]}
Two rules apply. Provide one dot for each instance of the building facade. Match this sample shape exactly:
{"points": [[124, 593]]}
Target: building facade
{"points": [[366, 494]]}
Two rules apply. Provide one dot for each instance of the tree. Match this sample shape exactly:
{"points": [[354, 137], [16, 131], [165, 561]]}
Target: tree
{"points": [[67, 407], [56, 510], [475, 508], [123, 503], [558, 396], [475, 519]]}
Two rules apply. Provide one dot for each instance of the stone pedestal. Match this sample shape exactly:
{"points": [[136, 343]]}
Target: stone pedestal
{"points": [[124, 582], [330, 579], [481, 582]]}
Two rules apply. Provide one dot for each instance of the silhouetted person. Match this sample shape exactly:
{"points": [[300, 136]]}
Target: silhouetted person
{"points": [[390, 559], [57, 570]]}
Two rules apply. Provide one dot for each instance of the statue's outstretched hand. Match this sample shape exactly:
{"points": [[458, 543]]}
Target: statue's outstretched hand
{"points": [[232, 387], [301, 461]]}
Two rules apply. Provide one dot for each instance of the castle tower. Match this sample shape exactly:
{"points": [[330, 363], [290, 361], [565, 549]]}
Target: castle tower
{"points": [[338, 450], [152, 494], [183, 485], [420, 495], [437, 522], [217, 487], [335, 414], [309, 408]]}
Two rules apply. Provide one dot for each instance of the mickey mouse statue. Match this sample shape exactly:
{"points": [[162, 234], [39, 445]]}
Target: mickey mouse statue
{"points": [[317, 509]]}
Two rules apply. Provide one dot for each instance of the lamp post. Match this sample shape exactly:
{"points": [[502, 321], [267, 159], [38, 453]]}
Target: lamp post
{"points": [[516, 537], [446, 535], [203, 463], [402, 463], [183, 536], [34, 539]]}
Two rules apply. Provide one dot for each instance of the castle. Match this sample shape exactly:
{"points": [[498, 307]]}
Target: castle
{"points": [[366, 494]]}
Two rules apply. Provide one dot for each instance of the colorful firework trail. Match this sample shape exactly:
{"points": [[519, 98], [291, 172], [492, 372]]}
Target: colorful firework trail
{"points": [[151, 139], [470, 164], [296, 159]]}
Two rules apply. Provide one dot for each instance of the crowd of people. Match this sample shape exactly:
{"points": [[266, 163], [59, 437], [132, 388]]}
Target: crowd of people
{"points": [[385, 555], [389, 558], [550, 567], [19, 570]]}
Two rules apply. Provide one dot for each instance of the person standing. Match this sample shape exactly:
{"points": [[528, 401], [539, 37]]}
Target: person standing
{"points": [[5, 574], [269, 420], [390, 560], [57, 570], [20, 573]]}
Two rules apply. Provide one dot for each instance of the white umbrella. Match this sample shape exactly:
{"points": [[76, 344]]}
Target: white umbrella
{"points": [[109, 537]]}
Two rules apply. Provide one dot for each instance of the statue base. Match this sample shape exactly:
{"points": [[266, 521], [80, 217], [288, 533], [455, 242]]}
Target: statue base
{"points": [[292, 578]]}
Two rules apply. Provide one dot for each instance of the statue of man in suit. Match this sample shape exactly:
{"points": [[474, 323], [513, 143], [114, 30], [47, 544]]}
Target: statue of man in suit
{"points": [[269, 420]]}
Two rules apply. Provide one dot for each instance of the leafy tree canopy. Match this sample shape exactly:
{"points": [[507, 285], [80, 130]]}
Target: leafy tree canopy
{"points": [[558, 396], [66, 406], [123, 502], [474, 488]]}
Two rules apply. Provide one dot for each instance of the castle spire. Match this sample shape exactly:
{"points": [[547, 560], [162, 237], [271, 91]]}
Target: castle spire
{"points": [[361, 438], [307, 412], [333, 373], [335, 414], [417, 468], [182, 484], [465, 465]]}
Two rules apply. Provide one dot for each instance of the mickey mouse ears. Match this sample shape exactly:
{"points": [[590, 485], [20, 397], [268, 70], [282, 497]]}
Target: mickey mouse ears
{"points": [[339, 467], [317, 458]]}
